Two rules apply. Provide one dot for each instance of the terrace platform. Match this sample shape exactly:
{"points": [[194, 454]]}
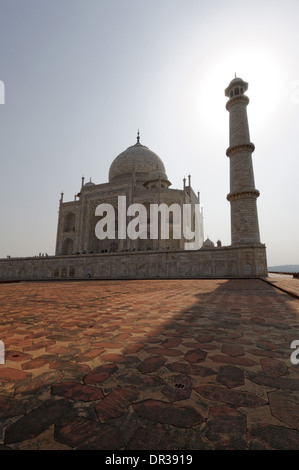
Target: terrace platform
{"points": [[150, 364]]}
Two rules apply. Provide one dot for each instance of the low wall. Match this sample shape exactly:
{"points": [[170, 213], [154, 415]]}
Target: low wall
{"points": [[220, 262]]}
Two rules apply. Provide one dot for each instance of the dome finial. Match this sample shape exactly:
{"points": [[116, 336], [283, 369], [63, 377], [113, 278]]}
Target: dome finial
{"points": [[138, 137], [235, 74]]}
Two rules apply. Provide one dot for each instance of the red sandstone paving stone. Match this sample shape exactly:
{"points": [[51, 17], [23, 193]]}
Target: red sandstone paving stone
{"points": [[10, 375], [230, 376], [122, 336], [16, 356], [141, 381], [58, 337], [162, 412], [20, 342], [267, 345], [277, 437], [173, 334], [255, 444], [34, 363], [82, 342], [165, 351], [285, 407], [279, 325], [153, 437], [131, 360], [116, 403], [152, 340], [191, 369], [263, 353], [164, 437], [226, 428], [110, 345], [100, 374], [119, 358], [70, 324], [274, 367], [84, 434], [40, 345], [69, 367], [171, 343], [260, 330], [237, 335], [39, 382], [191, 345], [133, 348], [195, 355], [207, 347], [179, 387], [257, 320], [35, 422], [77, 391], [55, 349], [10, 407], [89, 355], [244, 342], [35, 335], [46, 358], [233, 397], [224, 340], [21, 331], [10, 342], [204, 338], [233, 349], [91, 333], [241, 361], [151, 364]]}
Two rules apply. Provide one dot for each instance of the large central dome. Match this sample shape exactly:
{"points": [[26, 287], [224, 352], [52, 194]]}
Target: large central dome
{"points": [[138, 159]]}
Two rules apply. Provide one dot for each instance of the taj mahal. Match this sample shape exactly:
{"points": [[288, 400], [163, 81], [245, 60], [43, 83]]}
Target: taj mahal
{"points": [[138, 176]]}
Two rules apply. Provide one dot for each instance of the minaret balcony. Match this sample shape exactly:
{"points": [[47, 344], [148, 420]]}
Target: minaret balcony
{"points": [[253, 193], [236, 100], [247, 147]]}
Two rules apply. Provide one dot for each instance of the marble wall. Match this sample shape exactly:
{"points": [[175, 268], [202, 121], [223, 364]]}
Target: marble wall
{"points": [[220, 262]]}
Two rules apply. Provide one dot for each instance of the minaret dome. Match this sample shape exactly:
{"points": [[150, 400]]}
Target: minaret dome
{"points": [[236, 87]]}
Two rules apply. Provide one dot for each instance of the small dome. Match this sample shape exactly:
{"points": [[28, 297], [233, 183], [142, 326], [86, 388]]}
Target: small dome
{"points": [[237, 81], [136, 159], [157, 174], [208, 243], [88, 184]]}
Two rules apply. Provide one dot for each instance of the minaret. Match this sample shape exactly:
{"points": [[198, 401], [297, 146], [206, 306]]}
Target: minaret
{"points": [[243, 195]]}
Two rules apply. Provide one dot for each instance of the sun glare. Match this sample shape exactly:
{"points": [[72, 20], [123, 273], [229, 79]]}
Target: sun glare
{"points": [[259, 68]]}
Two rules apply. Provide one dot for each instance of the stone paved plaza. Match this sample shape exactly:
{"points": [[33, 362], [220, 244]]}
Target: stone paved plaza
{"points": [[163, 364]]}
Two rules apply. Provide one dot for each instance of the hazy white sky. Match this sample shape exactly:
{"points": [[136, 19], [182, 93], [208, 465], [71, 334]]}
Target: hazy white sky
{"points": [[81, 76]]}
